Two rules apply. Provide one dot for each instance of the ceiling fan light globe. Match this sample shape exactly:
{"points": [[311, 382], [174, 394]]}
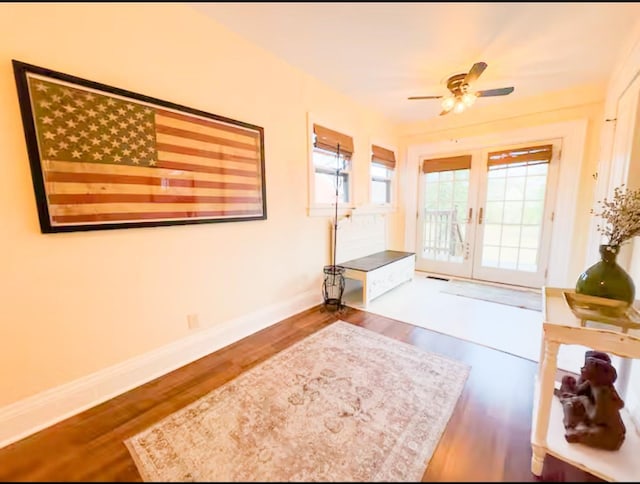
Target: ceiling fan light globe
{"points": [[459, 106], [448, 103], [468, 98]]}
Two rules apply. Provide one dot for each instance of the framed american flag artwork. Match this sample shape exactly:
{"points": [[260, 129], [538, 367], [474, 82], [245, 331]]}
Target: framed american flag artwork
{"points": [[103, 158]]}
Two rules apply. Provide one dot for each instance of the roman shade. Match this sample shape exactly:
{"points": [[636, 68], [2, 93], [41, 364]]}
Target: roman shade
{"points": [[445, 164], [383, 156], [328, 139], [532, 155]]}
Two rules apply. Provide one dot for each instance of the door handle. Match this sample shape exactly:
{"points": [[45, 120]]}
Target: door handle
{"points": [[470, 217], [480, 216]]}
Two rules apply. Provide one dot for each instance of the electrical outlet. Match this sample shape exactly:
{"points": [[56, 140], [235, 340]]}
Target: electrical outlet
{"points": [[192, 321]]}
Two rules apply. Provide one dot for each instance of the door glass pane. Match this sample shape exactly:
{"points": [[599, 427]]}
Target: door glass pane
{"points": [[495, 188], [492, 234], [514, 214], [446, 202], [493, 212]]}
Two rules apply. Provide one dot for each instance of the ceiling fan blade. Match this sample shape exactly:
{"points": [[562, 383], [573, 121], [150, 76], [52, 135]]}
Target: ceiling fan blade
{"points": [[424, 97], [503, 91], [475, 71]]}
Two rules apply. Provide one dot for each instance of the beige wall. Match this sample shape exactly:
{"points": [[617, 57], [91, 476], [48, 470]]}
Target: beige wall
{"points": [[75, 303], [582, 103]]}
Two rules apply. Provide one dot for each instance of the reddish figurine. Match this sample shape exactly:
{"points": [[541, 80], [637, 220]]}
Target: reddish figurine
{"points": [[592, 405]]}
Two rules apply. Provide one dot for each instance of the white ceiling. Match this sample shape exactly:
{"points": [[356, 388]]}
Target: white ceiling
{"points": [[381, 53]]}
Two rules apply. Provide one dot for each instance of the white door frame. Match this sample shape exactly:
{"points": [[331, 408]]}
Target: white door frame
{"points": [[573, 134]]}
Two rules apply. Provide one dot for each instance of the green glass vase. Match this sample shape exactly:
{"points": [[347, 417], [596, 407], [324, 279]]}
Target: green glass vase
{"points": [[606, 278]]}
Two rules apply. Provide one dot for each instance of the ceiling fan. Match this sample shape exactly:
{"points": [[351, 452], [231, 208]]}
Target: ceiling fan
{"points": [[461, 97]]}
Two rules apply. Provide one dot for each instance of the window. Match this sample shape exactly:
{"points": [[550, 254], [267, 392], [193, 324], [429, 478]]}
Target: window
{"points": [[383, 163], [332, 153]]}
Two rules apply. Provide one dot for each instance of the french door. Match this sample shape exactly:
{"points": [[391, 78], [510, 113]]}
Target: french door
{"points": [[487, 214]]}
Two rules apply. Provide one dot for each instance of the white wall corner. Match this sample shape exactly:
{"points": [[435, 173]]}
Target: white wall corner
{"points": [[632, 404], [34, 413]]}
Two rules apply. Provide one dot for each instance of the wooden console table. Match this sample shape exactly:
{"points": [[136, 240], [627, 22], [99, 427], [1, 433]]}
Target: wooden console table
{"points": [[560, 326]]}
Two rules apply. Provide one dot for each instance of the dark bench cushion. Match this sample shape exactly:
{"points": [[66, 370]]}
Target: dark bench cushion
{"points": [[375, 261]]}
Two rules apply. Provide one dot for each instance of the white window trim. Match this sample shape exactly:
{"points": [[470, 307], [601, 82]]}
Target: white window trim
{"points": [[326, 209], [393, 205]]}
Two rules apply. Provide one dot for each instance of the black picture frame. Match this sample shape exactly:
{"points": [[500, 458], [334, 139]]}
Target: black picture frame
{"points": [[103, 157]]}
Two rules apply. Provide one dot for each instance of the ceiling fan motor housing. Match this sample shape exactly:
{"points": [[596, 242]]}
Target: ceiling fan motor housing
{"points": [[457, 85]]}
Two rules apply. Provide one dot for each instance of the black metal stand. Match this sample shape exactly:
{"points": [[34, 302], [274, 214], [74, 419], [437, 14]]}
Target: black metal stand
{"points": [[333, 285]]}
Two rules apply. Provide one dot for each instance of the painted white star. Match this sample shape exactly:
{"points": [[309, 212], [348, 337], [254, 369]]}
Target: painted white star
{"points": [[71, 123], [66, 92], [102, 108], [79, 101], [104, 136], [41, 87], [117, 158], [57, 113], [111, 102], [47, 120], [129, 107], [82, 117], [57, 98], [49, 135], [114, 143], [106, 150], [73, 138], [45, 104], [83, 133], [112, 117], [89, 96], [114, 131], [124, 139], [139, 115], [95, 141], [85, 147], [76, 154], [140, 128], [149, 137], [136, 160], [122, 111], [152, 162], [126, 152], [151, 149], [93, 127], [53, 152], [92, 113], [148, 124], [123, 124], [97, 156], [63, 145], [61, 130], [103, 121], [69, 108]]}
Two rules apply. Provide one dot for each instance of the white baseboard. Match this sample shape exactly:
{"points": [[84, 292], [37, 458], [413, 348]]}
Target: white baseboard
{"points": [[34, 413]]}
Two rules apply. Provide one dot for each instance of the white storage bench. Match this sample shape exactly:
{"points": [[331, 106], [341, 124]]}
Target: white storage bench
{"points": [[380, 272]]}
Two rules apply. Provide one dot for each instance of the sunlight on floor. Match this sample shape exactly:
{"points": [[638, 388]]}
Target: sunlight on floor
{"points": [[505, 328]]}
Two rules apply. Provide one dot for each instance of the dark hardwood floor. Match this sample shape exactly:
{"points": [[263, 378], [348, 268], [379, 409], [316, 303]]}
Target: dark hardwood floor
{"points": [[487, 438]]}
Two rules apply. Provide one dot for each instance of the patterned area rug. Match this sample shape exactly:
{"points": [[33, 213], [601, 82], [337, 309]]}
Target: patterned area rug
{"points": [[526, 299], [344, 404]]}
